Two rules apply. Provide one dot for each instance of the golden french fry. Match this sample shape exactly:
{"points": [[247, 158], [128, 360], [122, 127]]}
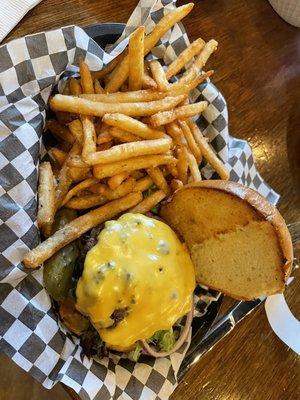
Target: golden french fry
{"points": [[82, 106], [148, 82], [137, 174], [108, 68], [181, 87], [89, 137], [186, 111], [172, 170], [149, 202], [194, 168], [158, 178], [58, 155], [133, 164], [86, 77], [132, 125], [208, 152], [85, 202], [129, 150], [46, 197], [79, 174], [78, 188], [98, 89], [104, 137], [79, 226], [75, 87], [190, 140], [116, 180], [104, 146], [143, 184], [76, 161], [60, 131], [175, 185], [123, 189], [184, 57], [76, 129], [120, 73], [136, 59], [182, 164], [159, 76], [123, 136], [175, 133]]}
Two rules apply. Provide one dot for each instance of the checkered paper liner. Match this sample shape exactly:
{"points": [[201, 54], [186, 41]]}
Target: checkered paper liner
{"points": [[30, 333]]}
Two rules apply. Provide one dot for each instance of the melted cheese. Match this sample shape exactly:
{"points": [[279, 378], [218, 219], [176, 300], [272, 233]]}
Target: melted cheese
{"points": [[138, 264]]}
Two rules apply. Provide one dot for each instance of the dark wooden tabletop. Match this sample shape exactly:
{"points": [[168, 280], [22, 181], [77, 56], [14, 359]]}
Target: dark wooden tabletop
{"points": [[257, 67]]}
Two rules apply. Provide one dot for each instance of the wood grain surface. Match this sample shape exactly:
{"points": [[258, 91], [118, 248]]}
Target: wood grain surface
{"points": [[257, 67]]}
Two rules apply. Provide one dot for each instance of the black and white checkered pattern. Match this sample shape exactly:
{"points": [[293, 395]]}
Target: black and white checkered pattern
{"points": [[29, 331]]}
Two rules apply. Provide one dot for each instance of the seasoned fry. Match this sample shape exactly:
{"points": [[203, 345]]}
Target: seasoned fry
{"points": [[123, 189], [193, 167], [175, 185], [172, 170], [176, 133], [182, 164], [116, 180], [133, 164], [58, 155], [76, 161], [78, 188], [123, 136], [79, 174], [126, 97], [108, 68], [136, 59], [182, 87], [148, 82], [76, 129], [98, 89], [75, 87], [190, 140], [128, 150], [149, 202], [46, 197], [159, 76], [79, 226], [165, 117], [86, 77], [85, 202], [158, 178], [60, 131], [89, 137], [143, 184], [82, 106], [185, 56], [104, 137], [120, 73], [132, 125], [208, 152]]}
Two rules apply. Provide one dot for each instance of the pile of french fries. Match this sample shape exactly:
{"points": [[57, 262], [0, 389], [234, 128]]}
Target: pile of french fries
{"points": [[122, 130]]}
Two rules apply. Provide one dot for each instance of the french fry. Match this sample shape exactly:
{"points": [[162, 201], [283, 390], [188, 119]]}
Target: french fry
{"points": [[79, 226], [186, 111], [184, 57], [132, 125], [75, 87], [76, 129], [104, 146], [159, 76], [82, 106], [190, 140], [86, 77], [175, 185], [194, 168], [181, 87], [46, 198], [129, 150], [149, 202], [116, 180], [58, 155], [98, 89], [182, 164], [120, 73], [85, 202], [104, 137], [123, 189], [123, 136], [138, 174], [76, 161], [208, 152], [148, 82], [108, 68], [172, 170], [158, 178], [89, 137], [133, 164], [79, 174], [78, 188], [175, 133], [143, 184], [60, 131], [66, 89], [136, 59]]}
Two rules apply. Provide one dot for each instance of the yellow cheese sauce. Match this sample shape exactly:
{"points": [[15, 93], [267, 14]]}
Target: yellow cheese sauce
{"points": [[138, 264]]}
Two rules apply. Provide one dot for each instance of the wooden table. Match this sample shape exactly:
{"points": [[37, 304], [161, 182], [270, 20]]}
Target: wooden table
{"points": [[257, 67]]}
